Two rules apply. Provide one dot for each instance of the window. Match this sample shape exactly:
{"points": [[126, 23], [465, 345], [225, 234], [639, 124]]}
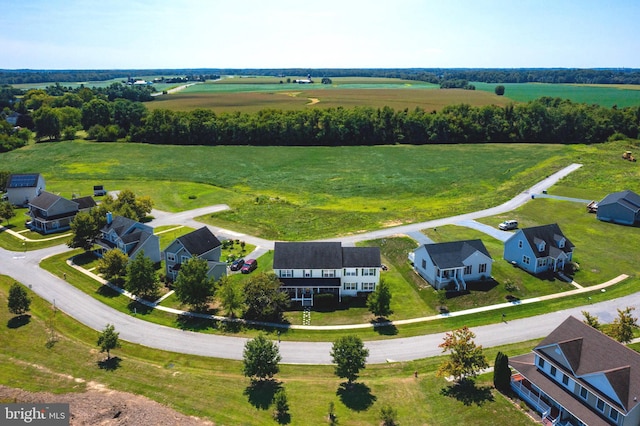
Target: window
{"points": [[540, 362], [350, 272], [185, 258], [307, 273], [541, 246], [468, 269], [350, 286], [286, 273], [553, 371], [482, 268], [171, 257], [583, 393], [328, 273], [526, 260], [368, 286], [520, 244], [613, 415], [565, 380], [368, 272], [600, 405], [542, 262], [424, 264]]}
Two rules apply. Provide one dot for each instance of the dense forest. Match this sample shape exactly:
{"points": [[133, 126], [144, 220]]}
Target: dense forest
{"points": [[432, 75], [116, 113]]}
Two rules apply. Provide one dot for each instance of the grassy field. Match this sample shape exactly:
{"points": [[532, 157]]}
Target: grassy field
{"points": [[605, 95], [224, 396]]}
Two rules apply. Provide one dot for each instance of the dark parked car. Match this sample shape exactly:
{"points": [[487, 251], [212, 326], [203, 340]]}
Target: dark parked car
{"points": [[249, 265], [237, 264]]}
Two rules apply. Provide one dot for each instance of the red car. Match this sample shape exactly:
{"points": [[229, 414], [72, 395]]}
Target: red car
{"points": [[249, 265]]}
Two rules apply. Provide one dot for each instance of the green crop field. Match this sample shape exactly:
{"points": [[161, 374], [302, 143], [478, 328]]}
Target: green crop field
{"points": [[605, 95]]}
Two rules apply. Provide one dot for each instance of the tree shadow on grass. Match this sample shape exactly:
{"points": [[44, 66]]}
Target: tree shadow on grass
{"points": [[187, 322], [110, 364], [356, 396], [468, 393], [106, 291], [19, 320], [283, 418], [138, 308], [384, 327], [260, 392]]}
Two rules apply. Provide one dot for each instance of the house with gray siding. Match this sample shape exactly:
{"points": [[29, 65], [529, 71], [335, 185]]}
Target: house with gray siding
{"points": [[52, 213], [201, 244], [453, 263], [620, 207], [580, 376], [539, 249], [308, 268], [128, 236]]}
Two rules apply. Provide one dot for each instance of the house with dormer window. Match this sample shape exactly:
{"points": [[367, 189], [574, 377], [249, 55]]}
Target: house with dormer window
{"points": [[308, 268], [200, 243], [128, 236], [539, 249], [453, 263], [580, 376]]}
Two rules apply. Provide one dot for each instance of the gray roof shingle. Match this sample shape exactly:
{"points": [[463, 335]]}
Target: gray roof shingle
{"points": [[199, 241], [323, 255], [452, 254], [550, 234]]}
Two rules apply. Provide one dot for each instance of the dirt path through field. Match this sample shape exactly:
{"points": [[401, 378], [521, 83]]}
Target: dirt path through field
{"points": [[313, 101]]}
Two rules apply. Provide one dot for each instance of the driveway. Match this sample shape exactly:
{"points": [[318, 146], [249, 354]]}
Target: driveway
{"points": [[24, 267]]}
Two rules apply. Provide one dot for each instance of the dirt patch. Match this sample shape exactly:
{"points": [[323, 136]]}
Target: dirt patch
{"points": [[313, 101], [102, 406]]}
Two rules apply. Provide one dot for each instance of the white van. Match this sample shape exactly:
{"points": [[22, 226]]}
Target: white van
{"points": [[508, 225]]}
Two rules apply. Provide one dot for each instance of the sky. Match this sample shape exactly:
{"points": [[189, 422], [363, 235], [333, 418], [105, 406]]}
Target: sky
{"points": [[169, 34]]}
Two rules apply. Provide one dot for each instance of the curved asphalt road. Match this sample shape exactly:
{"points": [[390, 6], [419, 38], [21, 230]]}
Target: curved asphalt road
{"points": [[24, 267]]}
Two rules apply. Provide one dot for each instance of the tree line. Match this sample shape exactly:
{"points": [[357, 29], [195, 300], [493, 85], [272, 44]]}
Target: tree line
{"points": [[433, 75]]}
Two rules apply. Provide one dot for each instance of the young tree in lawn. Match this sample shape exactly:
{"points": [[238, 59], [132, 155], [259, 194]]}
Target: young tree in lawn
{"points": [[501, 373], [6, 211], [263, 298], [193, 287], [388, 415], [230, 296], [591, 320], [108, 340], [19, 301], [623, 326], [466, 359], [84, 230], [141, 277], [281, 403], [350, 356], [260, 358], [379, 302], [113, 266]]}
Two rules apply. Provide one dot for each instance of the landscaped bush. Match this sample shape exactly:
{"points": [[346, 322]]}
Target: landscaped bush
{"points": [[324, 301]]}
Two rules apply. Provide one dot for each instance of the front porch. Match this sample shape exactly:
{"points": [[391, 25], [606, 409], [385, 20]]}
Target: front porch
{"points": [[552, 413], [446, 276]]}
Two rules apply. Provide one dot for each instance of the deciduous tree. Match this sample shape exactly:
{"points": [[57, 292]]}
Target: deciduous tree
{"points": [[230, 295], [350, 356], [466, 359], [6, 211], [591, 320], [379, 302], [84, 230], [19, 301], [260, 358], [263, 298], [141, 277], [193, 287], [108, 340], [113, 266], [499, 90], [623, 326]]}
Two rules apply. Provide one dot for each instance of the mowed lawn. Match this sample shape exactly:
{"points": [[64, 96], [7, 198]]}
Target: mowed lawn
{"points": [[299, 193]]}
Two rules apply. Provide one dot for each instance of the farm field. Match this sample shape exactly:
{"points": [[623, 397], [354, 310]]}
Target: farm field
{"points": [[604, 95]]}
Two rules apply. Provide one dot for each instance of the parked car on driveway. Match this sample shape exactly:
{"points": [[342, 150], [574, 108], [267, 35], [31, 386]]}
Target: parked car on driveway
{"points": [[236, 264], [508, 225], [249, 265]]}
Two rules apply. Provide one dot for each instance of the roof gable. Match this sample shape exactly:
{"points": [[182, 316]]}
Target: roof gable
{"points": [[45, 200], [453, 254], [199, 241], [628, 199], [552, 237], [593, 354]]}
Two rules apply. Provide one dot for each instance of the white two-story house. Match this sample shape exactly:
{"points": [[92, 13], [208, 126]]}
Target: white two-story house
{"points": [[579, 376], [308, 268]]}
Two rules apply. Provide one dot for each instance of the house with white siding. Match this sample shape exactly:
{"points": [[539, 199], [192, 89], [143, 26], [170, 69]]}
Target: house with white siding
{"points": [[22, 188], [308, 268], [453, 263]]}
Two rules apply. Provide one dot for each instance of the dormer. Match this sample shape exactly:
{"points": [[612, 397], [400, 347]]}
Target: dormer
{"points": [[540, 244], [560, 240]]}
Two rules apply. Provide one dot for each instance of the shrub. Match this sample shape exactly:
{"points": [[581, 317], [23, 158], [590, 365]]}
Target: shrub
{"points": [[388, 415], [324, 300]]}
